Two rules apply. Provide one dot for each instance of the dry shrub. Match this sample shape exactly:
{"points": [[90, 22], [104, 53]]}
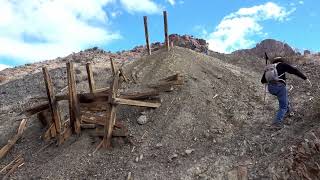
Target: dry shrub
{"points": [[2, 78]]}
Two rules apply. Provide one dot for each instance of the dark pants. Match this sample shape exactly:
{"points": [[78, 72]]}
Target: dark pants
{"points": [[280, 90]]}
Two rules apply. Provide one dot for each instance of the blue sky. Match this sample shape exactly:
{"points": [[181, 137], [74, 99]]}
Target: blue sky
{"points": [[33, 30]]}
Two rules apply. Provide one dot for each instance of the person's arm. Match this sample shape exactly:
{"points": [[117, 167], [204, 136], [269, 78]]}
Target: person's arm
{"points": [[292, 70], [263, 79]]}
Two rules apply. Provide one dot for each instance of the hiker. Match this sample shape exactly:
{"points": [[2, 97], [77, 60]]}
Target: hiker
{"points": [[275, 77]]}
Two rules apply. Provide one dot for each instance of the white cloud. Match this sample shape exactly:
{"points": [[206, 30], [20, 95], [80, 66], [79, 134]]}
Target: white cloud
{"points": [[172, 2], [115, 14], [36, 30], [144, 6], [3, 66], [301, 2], [235, 29]]}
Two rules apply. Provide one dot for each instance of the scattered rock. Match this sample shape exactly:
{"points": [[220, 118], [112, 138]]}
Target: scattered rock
{"points": [[189, 151], [142, 120], [173, 156], [158, 145]]}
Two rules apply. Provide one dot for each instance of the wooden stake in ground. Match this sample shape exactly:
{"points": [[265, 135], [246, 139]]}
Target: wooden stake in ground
{"points": [[4, 150], [145, 20], [166, 35], [111, 117], [91, 81], [53, 105], [74, 106], [112, 67]]}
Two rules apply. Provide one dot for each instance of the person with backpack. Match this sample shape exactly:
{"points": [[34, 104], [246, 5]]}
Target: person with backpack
{"points": [[275, 78]]}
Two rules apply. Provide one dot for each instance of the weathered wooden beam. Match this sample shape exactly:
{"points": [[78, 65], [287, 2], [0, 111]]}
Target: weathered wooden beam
{"points": [[146, 32], [50, 133], [111, 116], [88, 98], [74, 105], [136, 103], [117, 132], [174, 77], [53, 104], [10, 165], [88, 126], [108, 128], [123, 75], [166, 35], [99, 120], [112, 67], [5, 149], [167, 83], [91, 81]]}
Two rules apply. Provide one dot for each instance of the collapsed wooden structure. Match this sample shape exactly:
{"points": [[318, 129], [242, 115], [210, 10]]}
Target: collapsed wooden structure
{"points": [[82, 107]]}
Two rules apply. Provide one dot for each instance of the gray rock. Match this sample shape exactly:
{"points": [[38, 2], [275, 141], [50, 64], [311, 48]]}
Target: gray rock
{"points": [[142, 120]]}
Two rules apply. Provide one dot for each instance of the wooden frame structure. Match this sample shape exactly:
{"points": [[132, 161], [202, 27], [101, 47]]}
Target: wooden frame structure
{"points": [[108, 96]]}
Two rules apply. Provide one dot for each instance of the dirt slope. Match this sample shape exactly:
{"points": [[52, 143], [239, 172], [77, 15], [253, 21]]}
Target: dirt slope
{"points": [[217, 115]]}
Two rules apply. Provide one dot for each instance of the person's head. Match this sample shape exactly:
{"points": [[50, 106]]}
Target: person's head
{"points": [[277, 60]]}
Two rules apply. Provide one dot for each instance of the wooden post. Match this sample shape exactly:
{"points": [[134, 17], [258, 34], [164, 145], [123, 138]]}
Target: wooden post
{"points": [[74, 106], [111, 117], [112, 67], [53, 105], [145, 19], [91, 81], [166, 36]]}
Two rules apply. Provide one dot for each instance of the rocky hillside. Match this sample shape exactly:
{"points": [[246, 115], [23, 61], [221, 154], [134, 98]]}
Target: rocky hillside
{"points": [[99, 56], [271, 46]]}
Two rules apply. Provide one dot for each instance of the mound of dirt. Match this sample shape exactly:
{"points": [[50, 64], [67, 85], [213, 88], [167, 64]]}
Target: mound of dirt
{"points": [[214, 124]]}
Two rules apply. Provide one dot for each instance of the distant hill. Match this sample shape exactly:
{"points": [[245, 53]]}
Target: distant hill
{"points": [[271, 46]]}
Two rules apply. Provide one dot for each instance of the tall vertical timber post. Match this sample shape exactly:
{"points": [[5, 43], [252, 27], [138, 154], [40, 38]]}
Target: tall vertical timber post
{"points": [[74, 106], [146, 32], [91, 81], [166, 35], [53, 104]]}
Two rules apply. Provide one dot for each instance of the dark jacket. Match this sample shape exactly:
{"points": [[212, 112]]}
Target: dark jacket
{"points": [[283, 68]]}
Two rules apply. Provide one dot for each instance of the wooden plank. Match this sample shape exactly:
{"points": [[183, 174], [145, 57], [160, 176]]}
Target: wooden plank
{"points": [[174, 77], [88, 98], [136, 103], [100, 121], [111, 116], [123, 75], [88, 126], [74, 105], [9, 166], [166, 35], [53, 105], [166, 83], [146, 32], [109, 126], [112, 67], [123, 132], [49, 133], [91, 81], [141, 95], [18, 164], [5, 149]]}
